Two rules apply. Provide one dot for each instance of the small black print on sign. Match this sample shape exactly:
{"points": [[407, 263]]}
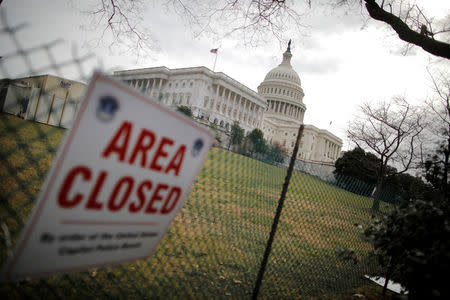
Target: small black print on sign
{"points": [[107, 108], [198, 145]]}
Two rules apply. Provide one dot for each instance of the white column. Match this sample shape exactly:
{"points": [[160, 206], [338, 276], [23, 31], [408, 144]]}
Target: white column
{"points": [[228, 104], [233, 107], [241, 107], [217, 98], [147, 82]]}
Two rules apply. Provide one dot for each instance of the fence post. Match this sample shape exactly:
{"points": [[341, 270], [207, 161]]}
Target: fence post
{"points": [[277, 214]]}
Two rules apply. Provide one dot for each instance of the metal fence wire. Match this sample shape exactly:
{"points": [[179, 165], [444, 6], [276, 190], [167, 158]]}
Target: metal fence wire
{"points": [[217, 242]]}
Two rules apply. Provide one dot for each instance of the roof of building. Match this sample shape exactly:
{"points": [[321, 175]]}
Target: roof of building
{"points": [[201, 69], [284, 72]]}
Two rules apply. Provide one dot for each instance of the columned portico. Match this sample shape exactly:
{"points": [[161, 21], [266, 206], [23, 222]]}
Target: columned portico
{"points": [[212, 96]]}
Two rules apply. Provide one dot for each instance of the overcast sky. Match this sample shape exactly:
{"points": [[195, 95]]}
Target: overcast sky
{"points": [[342, 58]]}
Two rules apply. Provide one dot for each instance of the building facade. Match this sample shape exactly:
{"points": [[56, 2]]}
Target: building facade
{"points": [[215, 98], [285, 112], [46, 99]]}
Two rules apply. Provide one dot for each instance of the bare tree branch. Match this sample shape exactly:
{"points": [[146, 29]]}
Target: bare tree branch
{"points": [[122, 20], [260, 20], [437, 162], [424, 38], [394, 129]]}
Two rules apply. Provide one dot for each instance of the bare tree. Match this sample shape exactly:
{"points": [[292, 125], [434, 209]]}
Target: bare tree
{"points": [[437, 163], [258, 20], [122, 21], [391, 130]]}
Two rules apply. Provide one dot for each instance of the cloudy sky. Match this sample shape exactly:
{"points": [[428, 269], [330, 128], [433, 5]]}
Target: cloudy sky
{"points": [[343, 58]]}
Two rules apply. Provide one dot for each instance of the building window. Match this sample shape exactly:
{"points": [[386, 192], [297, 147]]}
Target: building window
{"points": [[191, 84], [184, 84]]}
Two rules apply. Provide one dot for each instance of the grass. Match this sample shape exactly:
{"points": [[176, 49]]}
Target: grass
{"points": [[215, 246]]}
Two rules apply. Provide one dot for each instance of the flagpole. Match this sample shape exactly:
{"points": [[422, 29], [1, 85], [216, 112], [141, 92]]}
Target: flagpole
{"points": [[215, 60]]}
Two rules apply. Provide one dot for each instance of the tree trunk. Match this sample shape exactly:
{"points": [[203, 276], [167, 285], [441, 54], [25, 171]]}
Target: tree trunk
{"points": [[377, 196], [445, 185]]}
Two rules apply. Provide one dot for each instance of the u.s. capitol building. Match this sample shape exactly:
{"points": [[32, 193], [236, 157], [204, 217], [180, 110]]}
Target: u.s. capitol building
{"points": [[215, 98]]}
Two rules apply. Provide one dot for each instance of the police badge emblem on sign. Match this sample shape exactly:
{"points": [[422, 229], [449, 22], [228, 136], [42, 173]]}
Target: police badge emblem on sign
{"points": [[120, 177]]}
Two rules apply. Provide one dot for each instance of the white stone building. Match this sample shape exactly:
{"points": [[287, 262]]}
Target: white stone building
{"points": [[46, 98], [212, 96], [215, 98], [285, 111]]}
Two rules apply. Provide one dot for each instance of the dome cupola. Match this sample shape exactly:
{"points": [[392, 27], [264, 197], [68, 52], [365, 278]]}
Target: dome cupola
{"points": [[284, 71], [282, 90]]}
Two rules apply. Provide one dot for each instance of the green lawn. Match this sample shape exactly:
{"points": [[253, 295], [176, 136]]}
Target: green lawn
{"points": [[216, 243]]}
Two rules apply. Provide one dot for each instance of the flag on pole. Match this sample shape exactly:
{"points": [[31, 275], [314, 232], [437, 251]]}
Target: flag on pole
{"points": [[215, 59]]}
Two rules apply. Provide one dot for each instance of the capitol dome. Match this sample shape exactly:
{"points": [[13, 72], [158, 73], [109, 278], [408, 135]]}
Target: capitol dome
{"points": [[284, 71], [283, 92]]}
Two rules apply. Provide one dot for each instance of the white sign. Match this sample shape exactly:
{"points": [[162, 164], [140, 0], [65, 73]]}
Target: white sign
{"points": [[119, 179]]}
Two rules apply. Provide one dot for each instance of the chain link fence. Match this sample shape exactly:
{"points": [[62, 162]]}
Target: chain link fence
{"points": [[217, 242]]}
